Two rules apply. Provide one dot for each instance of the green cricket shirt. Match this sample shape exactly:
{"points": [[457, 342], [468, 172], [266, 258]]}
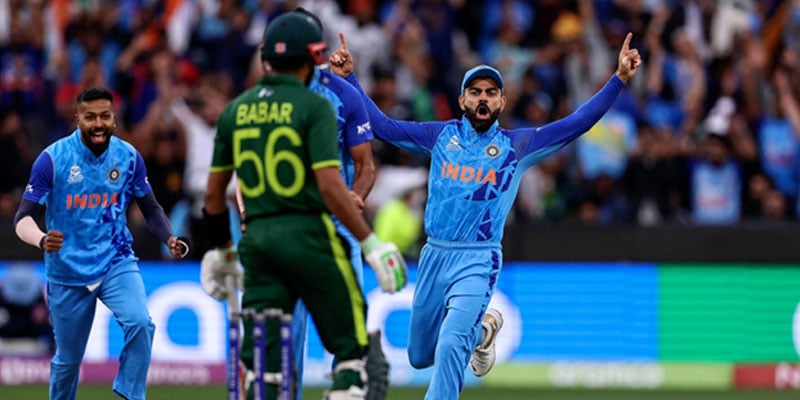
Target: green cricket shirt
{"points": [[274, 135]]}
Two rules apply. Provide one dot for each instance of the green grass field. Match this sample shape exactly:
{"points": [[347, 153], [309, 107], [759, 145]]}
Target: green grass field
{"points": [[87, 392]]}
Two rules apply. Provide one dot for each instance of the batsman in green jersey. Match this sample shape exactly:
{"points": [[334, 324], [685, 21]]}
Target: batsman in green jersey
{"points": [[281, 140]]}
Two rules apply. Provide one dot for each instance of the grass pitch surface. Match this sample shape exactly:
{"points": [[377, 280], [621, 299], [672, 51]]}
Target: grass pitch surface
{"points": [[90, 392]]}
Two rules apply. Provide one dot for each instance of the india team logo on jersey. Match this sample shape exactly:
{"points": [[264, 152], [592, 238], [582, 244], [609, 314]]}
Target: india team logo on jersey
{"points": [[492, 151], [113, 174], [75, 175]]}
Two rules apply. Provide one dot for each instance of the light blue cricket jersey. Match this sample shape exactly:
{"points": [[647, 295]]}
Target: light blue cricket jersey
{"points": [[351, 116], [474, 178], [87, 198]]}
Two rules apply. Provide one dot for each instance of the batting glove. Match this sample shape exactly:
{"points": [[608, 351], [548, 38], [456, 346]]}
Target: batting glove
{"points": [[215, 266], [387, 262]]}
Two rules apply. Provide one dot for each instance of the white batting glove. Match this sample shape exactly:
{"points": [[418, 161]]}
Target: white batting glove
{"points": [[215, 266], [387, 262]]}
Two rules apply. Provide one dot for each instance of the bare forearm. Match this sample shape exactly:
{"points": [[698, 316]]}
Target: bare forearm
{"points": [[364, 180], [216, 185], [335, 195]]}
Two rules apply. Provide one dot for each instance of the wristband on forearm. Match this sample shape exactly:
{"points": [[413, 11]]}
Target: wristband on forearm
{"points": [[41, 241], [27, 230], [370, 243], [218, 227]]}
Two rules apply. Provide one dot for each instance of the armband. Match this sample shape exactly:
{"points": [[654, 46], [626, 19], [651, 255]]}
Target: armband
{"points": [[41, 241], [218, 227]]}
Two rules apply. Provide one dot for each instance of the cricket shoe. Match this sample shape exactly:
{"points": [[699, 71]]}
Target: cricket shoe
{"points": [[353, 393], [483, 357]]}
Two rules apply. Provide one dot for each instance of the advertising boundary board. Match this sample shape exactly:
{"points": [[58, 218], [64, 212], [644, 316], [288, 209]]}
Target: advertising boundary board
{"points": [[568, 324]]}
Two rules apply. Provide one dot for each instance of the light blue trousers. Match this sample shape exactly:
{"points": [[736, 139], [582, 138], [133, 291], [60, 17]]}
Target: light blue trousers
{"points": [[72, 310], [455, 282]]}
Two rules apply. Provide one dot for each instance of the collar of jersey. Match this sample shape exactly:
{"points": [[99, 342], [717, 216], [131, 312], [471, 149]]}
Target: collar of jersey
{"points": [[315, 78], [467, 129], [281, 79]]}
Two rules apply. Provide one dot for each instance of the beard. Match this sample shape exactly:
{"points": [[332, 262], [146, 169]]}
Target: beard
{"points": [[97, 139], [481, 117]]}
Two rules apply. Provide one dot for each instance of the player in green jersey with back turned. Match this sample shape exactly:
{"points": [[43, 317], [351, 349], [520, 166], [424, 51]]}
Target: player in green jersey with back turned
{"points": [[281, 140]]}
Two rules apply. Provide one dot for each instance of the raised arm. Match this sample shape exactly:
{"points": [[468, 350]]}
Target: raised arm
{"points": [[553, 136], [412, 136]]}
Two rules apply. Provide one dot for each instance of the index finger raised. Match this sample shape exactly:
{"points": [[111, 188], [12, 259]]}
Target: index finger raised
{"points": [[627, 43], [343, 41]]}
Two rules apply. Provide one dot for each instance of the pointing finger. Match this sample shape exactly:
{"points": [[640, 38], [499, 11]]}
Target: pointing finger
{"points": [[343, 41], [626, 45]]}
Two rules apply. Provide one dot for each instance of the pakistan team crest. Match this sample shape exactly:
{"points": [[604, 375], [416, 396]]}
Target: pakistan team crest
{"points": [[492, 151]]}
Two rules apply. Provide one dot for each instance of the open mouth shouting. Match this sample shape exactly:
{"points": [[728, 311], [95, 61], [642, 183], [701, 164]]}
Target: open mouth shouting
{"points": [[482, 112], [99, 136]]}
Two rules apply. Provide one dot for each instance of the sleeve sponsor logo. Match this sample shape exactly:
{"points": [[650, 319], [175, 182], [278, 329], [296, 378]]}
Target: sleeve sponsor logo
{"points": [[364, 128]]}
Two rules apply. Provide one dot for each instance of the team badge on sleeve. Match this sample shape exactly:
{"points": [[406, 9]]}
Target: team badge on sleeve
{"points": [[113, 174]]}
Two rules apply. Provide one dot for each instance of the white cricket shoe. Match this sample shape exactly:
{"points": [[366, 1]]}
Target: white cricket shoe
{"points": [[483, 357], [353, 393]]}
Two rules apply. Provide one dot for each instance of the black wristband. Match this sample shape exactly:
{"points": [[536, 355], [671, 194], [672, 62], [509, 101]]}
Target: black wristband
{"points": [[218, 227], [41, 241]]}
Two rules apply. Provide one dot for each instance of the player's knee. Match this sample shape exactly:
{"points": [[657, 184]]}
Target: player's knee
{"points": [[419, 359], [67, 359], [140, 324]]}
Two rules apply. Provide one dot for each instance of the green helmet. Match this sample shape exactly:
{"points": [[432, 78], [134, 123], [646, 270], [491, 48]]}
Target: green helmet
{"points": [[292, 34]]}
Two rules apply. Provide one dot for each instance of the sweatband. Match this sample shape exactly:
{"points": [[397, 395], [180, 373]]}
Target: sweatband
{"points": [[29, 231], [218, 227]]}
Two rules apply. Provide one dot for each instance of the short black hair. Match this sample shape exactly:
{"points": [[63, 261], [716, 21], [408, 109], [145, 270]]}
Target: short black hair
{"points": [[95, 93]]}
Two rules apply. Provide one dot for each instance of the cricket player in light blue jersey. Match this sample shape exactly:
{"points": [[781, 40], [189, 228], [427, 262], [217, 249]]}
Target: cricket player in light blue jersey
{"points": [[84, 183], [476, 167], [358, 172]]}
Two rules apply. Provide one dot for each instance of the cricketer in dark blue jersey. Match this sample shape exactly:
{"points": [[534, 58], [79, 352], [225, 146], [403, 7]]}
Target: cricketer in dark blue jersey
{"points": [[85, 182], [358, 172], [475, 171]]}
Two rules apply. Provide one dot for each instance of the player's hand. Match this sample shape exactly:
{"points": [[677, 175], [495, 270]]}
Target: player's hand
{"points": [[341, 62], [387, 262], [629, 60], [178, 246], [53, 241], [215, 266], [357, 200]]}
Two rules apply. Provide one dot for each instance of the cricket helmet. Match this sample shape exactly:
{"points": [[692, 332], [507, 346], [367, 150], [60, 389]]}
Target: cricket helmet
{"points": [[293, 34]]}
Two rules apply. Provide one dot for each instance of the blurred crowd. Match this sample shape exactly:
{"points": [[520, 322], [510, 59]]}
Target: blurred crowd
{"points": [[708, 132]]}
